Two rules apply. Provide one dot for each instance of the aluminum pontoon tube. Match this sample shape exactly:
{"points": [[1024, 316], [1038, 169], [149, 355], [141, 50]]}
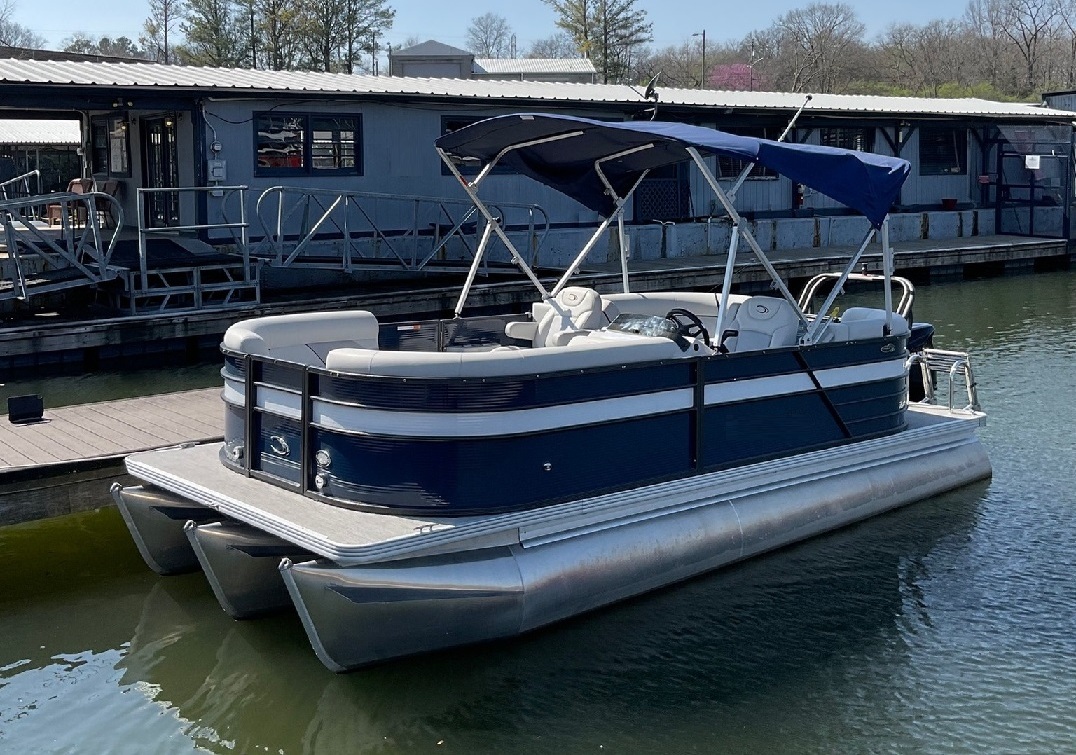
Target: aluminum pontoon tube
{"points": [[240, 563], [360, 615], [155, 519]]}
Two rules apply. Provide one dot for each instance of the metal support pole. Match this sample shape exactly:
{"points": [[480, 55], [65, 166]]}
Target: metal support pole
{"points": [[887, 273], [726, 202], [470, 190], [726, 284], [487, 232]]}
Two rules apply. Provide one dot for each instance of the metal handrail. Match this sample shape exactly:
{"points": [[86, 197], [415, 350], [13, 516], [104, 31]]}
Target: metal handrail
{"points": [[934, 361], [79, 250], [319, 210], [24, 179], [226, 191]]}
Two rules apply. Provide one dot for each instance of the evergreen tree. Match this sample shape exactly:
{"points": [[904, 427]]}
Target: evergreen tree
{"points": [[213, 31], [606, 31]]}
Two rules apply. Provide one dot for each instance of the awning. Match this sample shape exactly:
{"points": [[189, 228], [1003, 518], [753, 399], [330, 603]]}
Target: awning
{"points": [[865, 182]]}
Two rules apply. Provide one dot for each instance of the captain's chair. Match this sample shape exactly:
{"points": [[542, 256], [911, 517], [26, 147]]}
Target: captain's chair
{"points": [[573, 310], [762, 322]]}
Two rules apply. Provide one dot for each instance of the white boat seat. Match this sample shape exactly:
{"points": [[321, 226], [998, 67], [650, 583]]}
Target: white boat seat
{"points": [[762, 322], [868, 322], [303, 338], [574, 310]]}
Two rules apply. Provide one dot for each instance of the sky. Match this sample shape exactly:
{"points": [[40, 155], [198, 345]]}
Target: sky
{"points": [[674, 20]]}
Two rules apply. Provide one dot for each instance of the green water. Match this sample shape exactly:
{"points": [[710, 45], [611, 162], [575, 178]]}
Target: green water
{"points": [[946, 627]]}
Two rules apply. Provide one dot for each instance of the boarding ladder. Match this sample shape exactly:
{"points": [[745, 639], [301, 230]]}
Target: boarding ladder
{"points": [[951, 365], [356, 230], [42, 258]]}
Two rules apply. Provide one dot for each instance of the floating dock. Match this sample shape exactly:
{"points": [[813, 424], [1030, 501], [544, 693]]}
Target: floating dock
{"points": [[62, 463], [53, 343]]}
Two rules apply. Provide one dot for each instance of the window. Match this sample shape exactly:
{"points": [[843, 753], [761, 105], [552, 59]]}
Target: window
{"points": [[110, 146], [861, 139], [730, 167], [332, 143], [943, 151], [288, 144]]}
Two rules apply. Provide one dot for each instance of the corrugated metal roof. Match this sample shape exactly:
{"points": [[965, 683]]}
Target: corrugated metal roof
{"points": [[223, 81], [40, 132], [534, 65]]}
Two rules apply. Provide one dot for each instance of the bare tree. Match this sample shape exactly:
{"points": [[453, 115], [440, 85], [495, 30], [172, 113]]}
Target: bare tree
{"points": [[559, 45], [1067, 18], [923, 59], [1030, 24], [815, 46], [490, 36], [158, 35], [14, 34]]}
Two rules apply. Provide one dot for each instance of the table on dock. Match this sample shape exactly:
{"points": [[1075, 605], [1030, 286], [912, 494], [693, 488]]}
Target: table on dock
{"points": [[69, 438]]}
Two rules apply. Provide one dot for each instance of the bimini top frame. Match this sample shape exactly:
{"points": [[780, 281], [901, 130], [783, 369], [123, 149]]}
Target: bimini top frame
{"points": [[601, 164]]}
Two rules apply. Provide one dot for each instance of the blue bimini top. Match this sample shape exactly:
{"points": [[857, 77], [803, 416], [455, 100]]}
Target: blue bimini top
{"points": [[865, 182]]}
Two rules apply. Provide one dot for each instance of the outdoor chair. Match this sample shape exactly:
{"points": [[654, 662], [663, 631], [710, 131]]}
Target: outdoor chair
{"points": [[54, 212]]}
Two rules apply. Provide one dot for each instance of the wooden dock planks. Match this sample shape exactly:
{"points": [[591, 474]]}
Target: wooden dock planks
{"points": [[73, 435]]}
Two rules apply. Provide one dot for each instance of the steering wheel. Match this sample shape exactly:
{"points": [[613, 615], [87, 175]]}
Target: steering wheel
{"points": [[690, 329]]}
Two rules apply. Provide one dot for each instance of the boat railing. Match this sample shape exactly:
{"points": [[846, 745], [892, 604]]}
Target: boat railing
{"points": [[935, 362], [371, 229]]}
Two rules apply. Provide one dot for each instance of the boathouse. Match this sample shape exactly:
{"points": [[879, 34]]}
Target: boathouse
{"points": [[171, 140]]}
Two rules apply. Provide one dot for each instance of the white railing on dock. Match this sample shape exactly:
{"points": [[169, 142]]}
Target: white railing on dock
{"points": [[297, 221]]}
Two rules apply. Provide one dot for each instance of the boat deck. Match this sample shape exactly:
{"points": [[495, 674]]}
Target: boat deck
{"points": [[350, 537]]}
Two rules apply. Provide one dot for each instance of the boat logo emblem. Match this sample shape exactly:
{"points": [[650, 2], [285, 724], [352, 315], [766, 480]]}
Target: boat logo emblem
{"points": [[888, 348], [762, 309], [278, 445]]}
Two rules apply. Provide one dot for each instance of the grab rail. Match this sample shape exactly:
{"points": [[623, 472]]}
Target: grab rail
{"points": [[932, 362]]}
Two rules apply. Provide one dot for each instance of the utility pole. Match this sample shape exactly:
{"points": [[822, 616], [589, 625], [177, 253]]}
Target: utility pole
{"points": [[702, 83]]}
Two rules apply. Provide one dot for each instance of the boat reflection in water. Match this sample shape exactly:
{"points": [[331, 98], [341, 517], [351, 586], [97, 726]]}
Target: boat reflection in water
{"points": [[750, 641]]}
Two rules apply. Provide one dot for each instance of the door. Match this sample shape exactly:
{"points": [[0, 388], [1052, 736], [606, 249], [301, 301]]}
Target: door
{"points": [[162, 172], [1033, 181]]}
